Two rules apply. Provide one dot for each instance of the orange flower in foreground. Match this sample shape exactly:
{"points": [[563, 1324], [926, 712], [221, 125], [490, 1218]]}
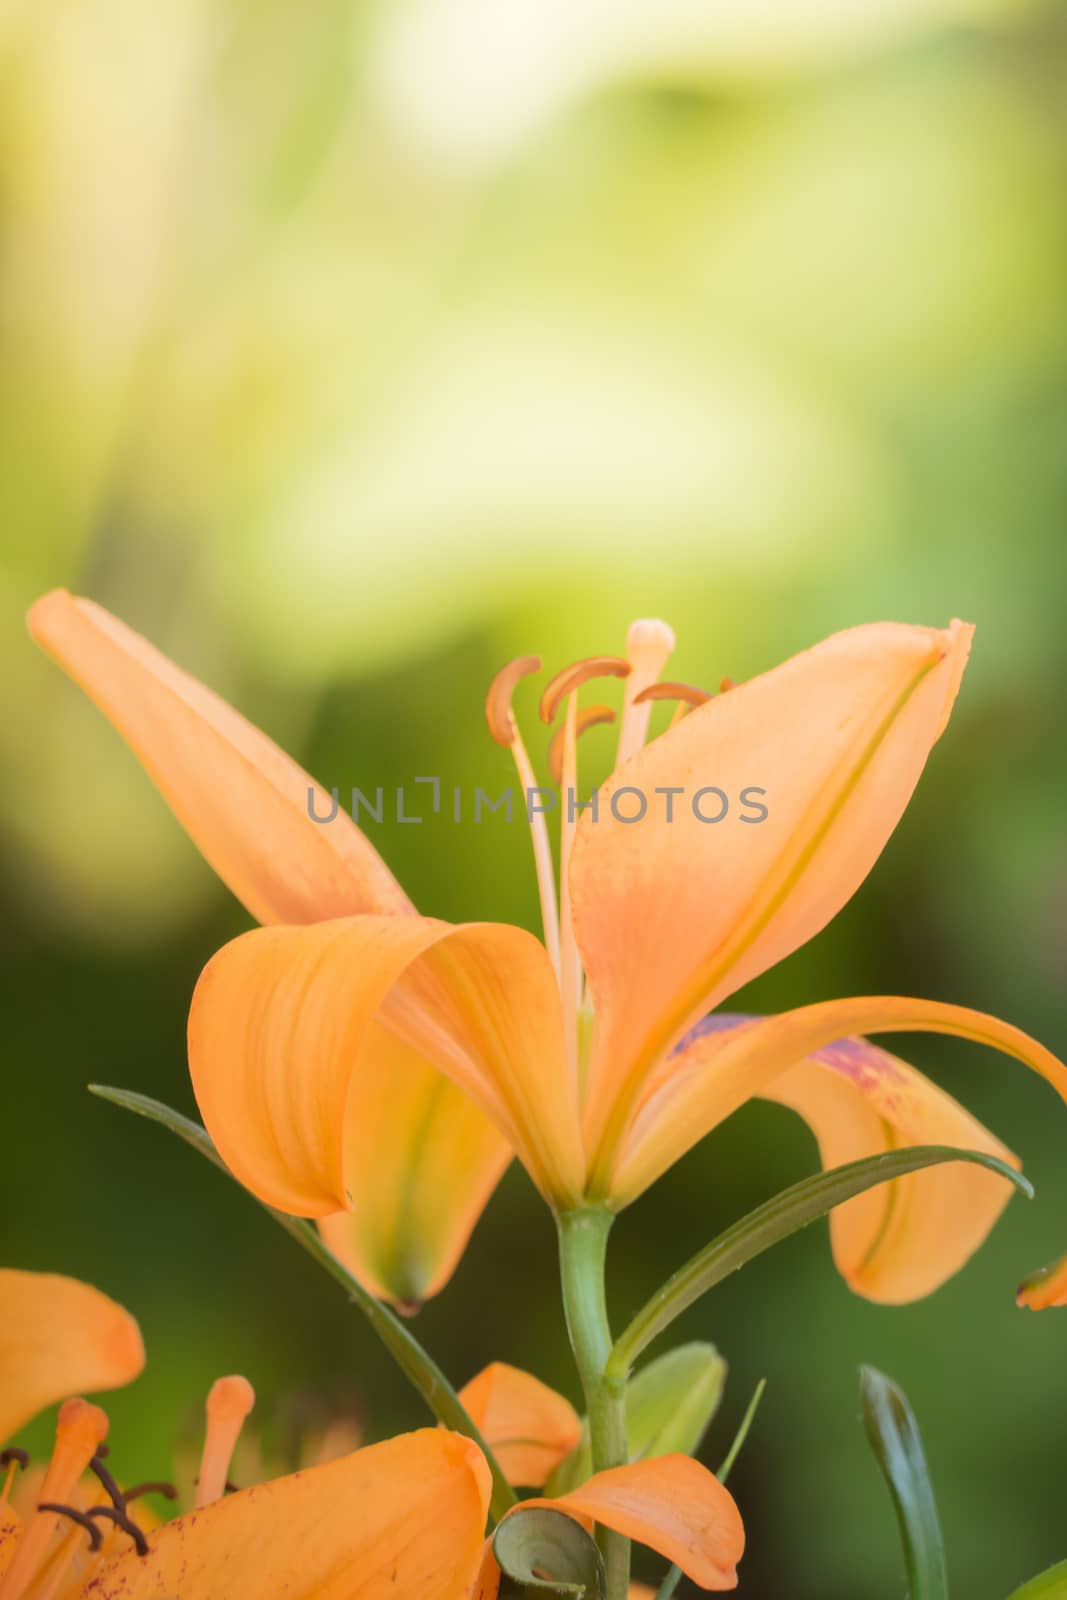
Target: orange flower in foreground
{"points": [[403, 1517], [421, 1499], [317, 1045]]}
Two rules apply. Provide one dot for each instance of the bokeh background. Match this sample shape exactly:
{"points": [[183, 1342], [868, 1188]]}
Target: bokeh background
{"points": [[348, 350]]}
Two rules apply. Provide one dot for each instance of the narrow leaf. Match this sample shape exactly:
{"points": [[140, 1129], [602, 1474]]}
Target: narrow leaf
{"points": [[674, 1576], [540, 1551], [417, 1366], [894, 1436], [742, 1433], [787, 1212]]}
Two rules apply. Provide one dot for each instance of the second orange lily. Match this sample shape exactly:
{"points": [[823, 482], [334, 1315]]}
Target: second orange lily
{"points": [[375, 1069]]}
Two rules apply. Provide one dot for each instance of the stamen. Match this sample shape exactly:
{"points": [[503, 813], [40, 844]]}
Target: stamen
{"points": [[79, 1432], [12, 1458], [505, 730], [571, 678], [115, 1494], [82, 1518], [228, 1404], [121, 1520], [498, 712], [649, 645], [727, 683], [570, 963], [167, 1490], [52, 1575], [589, 717], [687, 693]]}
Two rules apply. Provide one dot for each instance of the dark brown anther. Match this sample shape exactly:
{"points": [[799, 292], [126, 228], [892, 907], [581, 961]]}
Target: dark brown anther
{"points": [[80, 1517], [167, 1490], [114, 1492], [229, 1487], [121, 1520], [13, 1453]]}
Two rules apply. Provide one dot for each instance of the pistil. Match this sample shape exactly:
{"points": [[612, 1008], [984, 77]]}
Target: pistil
{"points": [[228, 1404], [649, 646]]}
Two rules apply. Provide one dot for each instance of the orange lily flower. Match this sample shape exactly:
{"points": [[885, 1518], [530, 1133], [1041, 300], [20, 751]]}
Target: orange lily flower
{"points": [[421, 1499], [670, 1503], [584, 1054]]}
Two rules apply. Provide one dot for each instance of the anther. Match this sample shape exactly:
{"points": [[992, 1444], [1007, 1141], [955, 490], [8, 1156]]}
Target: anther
{"points": [[82, 1518], [588, 717], [498, 712], [727, 683], [167, 1490], [121, 1520], [14, 1454], [114, 1492], [570, 678], [687, 693]]}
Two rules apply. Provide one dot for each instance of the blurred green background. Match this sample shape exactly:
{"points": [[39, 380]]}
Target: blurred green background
{"points": [[348, 350]]}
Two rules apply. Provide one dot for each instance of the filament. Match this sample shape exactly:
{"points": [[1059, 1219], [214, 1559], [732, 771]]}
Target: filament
{"points": [[505, 730]]}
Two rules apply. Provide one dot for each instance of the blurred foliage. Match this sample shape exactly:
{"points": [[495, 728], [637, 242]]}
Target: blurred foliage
{"points": [[348, 350]]}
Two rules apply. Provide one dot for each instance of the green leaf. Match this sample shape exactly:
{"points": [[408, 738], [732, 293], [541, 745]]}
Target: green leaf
{"points": [[669, 1405], [1048, 1585], [419, 1368], [541, 1551], [794, 1208], [894, 1436]]}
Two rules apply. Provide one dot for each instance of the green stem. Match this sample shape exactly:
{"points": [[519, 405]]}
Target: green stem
{"points": [[583, 1238]]}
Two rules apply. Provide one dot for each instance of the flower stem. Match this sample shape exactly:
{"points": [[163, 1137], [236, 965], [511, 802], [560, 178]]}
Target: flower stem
{"points": [[583, 1238]]}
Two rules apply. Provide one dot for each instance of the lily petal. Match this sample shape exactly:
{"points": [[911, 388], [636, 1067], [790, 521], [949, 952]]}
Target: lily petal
{"points": [[716, 1070], [405, 1517], [527, 1425], [675, 1506], [281, 1017], [242, 801], [421, 1160], [673, 916], [11, 1526], [902, 1240], [59, 1337]]}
